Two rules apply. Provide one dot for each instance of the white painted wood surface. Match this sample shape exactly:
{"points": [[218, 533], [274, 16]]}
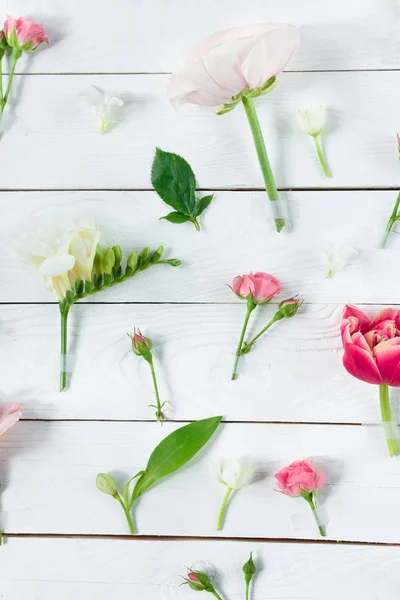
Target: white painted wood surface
{"points": [[153, 570], [55, 166]]}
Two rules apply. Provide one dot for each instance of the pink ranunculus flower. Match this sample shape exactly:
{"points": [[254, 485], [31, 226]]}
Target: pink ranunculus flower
{"points": [[10, 413], [24, 35], [230, 61], [261, 287], [372, 354], [299, 477]]}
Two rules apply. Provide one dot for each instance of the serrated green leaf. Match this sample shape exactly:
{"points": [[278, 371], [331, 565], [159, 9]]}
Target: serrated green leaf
{"points": [[202, 203], [176, 217], [174, 452], [174, 181]]}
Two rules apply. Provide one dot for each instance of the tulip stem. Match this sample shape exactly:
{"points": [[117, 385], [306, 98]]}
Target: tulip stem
{"points": [[64, 344], [321, 156], [386, 413], [265, 165], [310, 501], [250, 307], [222, 511], [393, 218], [248, 346], [127, 515]]}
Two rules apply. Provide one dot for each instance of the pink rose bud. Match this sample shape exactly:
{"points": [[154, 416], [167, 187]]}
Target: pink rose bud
{"points": [[288, 308], [23, 35], [140, 345], [259, 287], [199, 581], [299, 477], [192, 577]]}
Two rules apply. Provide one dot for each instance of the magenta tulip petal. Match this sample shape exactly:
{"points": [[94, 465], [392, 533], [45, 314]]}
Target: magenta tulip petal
{"points": [[360, 364], [353, 311], [387, 356], [388, 314]]}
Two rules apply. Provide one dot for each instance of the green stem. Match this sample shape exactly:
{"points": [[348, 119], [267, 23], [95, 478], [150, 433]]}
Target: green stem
{"points": [[321, 156], [64, 346], [314, 511], [222, 510], [127, 515], [15, 56], [215, 593], [253, 341], [159, 413], [387, 419], [391, 222], [250, 307], [196, 223], [247, 590], [1, 75], [265, 165]]}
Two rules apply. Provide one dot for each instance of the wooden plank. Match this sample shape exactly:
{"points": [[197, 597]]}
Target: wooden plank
{"points": [[100, 569], [147, 36], [360, 138], [294, 373], [48, 471], [237, 237]]}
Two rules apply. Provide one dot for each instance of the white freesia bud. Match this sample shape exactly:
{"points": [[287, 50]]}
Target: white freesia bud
{"points": [[337, 256], [312, 120], [233, 474], [104, 105], [83, 244]]}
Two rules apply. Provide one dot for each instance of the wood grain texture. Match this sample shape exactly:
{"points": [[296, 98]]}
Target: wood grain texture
{"points": [[294, 373], [359, 138], [48, 471], [152, 36], [237, 237], [100, 569]]}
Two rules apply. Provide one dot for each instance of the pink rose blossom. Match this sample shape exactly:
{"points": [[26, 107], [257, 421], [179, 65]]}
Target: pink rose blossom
{"points": [[230, 61], [299, 476], [10, 413], [192, 577], [260, 286], [24, 35]]}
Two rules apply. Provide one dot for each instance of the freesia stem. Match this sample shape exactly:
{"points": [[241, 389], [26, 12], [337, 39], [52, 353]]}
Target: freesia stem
{"points": [[222, 511], [159, 413], [127, 515], [250, 307], [265, 165], [321, 156], [253, 341], [393, 218], [314, 511], [387, 419], [64, 346]]}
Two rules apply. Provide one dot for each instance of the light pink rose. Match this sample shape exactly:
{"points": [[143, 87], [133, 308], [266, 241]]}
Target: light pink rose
{"points": [[10, 413], [261, 286], [372, 347], [24, 35], [299, 476], [230, 61]]}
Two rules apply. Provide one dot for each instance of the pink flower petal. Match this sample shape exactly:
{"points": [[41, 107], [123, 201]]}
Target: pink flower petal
{"points": [[9, 414], [387, 356], [360, 364]]}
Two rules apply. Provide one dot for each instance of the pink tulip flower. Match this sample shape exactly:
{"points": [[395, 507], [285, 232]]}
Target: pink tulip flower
{"points": [[261, 287], [10, 413], [300, 480], [372, 354], [24, 35], [234, 66]]}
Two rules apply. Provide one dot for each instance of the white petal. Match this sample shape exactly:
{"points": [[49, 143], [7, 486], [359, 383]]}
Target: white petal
{"points": [[216, 467], [57, 265], [93, 96], [338, 255], [231, 474], [114, 101], [245, 476], [312, 120]]}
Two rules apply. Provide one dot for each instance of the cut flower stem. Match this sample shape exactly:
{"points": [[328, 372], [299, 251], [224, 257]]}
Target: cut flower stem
{"points": [[222, 511], [265, 165], [321, 156], [249, 345], [250, 307], [311, 503], [393, 218], [387, 421]]}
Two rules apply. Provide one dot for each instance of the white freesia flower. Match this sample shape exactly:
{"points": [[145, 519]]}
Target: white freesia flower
{"points": [[337, 256], [83, 244], [104, 105], [312, 120], [233, 474]]}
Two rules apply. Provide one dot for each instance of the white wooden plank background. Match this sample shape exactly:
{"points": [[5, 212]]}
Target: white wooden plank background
{"points": [[293, 398]]}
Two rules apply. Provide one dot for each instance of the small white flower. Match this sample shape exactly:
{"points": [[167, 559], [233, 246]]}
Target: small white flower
{"points": [[233, 474], [337, 256], [104, 105], [312, 120]]}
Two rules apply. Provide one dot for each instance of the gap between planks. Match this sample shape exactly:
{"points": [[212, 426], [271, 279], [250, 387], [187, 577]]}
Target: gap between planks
{"points": [[211, 189], [118, 73], [183, 421]]}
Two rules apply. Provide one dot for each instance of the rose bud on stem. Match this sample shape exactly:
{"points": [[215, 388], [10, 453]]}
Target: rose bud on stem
{"points": [[142, 346], [200, 582], [249, 570], [300, 480]]}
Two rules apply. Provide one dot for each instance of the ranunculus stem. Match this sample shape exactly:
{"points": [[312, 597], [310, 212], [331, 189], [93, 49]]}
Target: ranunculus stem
{"points": [[255, 338], [393, 218], [390, 431], [64, 346], [250, 307], [127, 515], [263, 159], [222, 511], [321, 156], [314, 511]]}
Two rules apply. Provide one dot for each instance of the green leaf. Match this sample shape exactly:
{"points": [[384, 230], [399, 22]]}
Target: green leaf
{"points": [[174, 181], [175, 451], [176, 217], [202, 203]]}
